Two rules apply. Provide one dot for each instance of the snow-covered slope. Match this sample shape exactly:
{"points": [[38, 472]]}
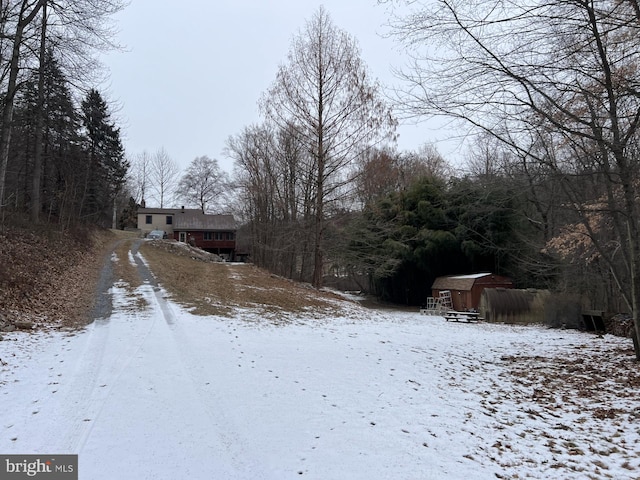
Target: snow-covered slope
{"points": [[159, 393]]}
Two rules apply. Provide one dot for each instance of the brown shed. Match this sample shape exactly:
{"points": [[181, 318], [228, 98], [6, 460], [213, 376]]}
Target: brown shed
{"points": [[467, 289]]}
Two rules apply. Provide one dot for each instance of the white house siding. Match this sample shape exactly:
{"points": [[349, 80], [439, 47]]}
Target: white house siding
{"points": [[158, 222]]}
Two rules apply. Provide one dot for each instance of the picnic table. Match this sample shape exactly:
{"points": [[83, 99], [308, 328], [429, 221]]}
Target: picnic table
{"points": [[455, 316]]}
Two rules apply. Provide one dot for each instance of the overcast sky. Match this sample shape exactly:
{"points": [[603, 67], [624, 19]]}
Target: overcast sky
{"points": [[193, 71]]}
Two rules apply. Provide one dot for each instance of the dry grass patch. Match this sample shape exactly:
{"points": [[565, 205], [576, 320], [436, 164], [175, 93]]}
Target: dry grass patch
{"points": [[220, 288], [187, 280]]}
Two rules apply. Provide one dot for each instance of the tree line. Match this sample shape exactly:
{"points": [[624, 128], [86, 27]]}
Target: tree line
{"points": [[61, 155], [555, 84], [548, 90]]}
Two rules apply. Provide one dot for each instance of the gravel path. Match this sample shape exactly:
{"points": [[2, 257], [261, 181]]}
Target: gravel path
{"points": [[103, 306]]}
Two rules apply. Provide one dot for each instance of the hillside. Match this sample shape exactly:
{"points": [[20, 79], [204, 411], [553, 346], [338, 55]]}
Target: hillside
{"points": [[218, 288], [48, 278], [227, 355], [260, 392]]}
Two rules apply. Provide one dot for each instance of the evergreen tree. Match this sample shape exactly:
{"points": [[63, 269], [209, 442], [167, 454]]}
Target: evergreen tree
{"points": [[107, 165], [61, 156], [409, 237]]}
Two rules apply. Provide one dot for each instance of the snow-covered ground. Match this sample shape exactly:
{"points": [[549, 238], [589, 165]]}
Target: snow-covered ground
{"points": [[158, 393]]}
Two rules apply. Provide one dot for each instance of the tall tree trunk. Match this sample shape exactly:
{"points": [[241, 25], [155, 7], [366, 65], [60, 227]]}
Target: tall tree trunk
{"points": [[634, 248], [7, 112], [318, 255], [114, 217], [36, 204]]}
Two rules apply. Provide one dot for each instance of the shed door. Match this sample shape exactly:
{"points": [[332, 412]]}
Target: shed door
{"points": [[183, 237]]}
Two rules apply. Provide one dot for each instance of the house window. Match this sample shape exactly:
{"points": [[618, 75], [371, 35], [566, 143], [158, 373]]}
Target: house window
{"points": [[219, 236], [230, 236], [207, 236], [169, 219], [149, 219]]}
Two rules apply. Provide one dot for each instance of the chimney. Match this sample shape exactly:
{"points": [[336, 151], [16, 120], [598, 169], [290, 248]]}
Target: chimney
{"points": [[183, 209]]}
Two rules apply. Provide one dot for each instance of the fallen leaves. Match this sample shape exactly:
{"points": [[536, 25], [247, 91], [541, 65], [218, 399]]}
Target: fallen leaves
{"points": [[49, 277]]}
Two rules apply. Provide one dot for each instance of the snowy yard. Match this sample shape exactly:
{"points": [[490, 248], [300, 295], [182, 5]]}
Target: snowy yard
{"points": [[159, 393]]}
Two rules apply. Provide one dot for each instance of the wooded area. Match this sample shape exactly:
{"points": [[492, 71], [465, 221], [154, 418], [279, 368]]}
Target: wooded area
{"points": [[548, 90], [556, 84], [61, 156]]}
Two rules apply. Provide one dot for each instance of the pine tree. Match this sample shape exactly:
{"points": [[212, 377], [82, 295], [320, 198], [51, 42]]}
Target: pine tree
{"points": [[61, 157], [105, 158]]}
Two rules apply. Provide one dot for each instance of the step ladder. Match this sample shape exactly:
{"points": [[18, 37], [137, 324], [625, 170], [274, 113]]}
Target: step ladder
{"points": [[445, 300], [438, 305]]}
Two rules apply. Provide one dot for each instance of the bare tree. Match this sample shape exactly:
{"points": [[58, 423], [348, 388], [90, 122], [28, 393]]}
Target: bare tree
{"points": [[251, 151], [274, 181], [486, 156], [324, 93], [426, 161], [78, 29], [382, 171], [378, 174], [204, 184], [164, 177], [140, 176], [75, 30], [36, 204], [25, 14], [556, 81]]}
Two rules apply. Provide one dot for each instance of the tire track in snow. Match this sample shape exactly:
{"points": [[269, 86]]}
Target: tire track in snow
{"points": [[80, 377], [94, 383], [187, 363], [97, 369]]}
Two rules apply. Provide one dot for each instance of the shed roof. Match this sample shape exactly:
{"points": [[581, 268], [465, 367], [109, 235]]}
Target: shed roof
{"points": [[457, 282]]}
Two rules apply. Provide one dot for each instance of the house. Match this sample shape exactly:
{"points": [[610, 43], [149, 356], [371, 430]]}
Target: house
{"points": [[156, 219], [466, 290], [213, 233]]}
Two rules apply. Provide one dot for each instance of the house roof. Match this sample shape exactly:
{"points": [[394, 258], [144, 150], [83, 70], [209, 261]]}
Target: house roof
{"points": [[165, 211], [457, 282], [193, 219], [196, 220]]}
